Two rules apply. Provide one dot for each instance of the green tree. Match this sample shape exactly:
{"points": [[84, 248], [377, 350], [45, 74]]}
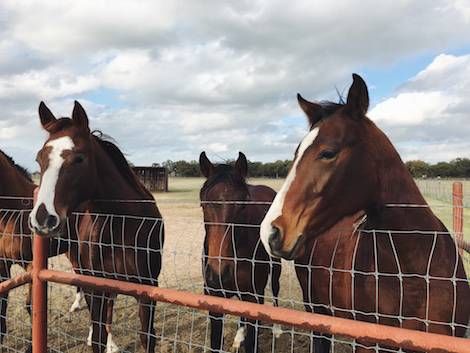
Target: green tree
{"points": [[418, 168]]}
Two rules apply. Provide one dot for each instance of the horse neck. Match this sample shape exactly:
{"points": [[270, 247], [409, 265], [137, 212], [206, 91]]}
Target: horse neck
{"points": [[13, 183], [397, 190]]}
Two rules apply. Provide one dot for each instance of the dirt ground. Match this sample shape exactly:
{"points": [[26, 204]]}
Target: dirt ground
{"points": [[178, 329]]}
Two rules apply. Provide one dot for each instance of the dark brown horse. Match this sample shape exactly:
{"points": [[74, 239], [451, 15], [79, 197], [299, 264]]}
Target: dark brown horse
{"points": [[90, 197], [16, 192], [397, 265], [235, 262]]}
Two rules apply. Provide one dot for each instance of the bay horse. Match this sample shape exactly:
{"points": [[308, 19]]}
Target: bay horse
{"points": [[90, 197], [394, 262], [16, 190], [235, 263]]}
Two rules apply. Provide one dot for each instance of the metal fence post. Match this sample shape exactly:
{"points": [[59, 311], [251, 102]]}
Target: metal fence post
{"points": [[39, 291], [457, 202], [39, 295]]}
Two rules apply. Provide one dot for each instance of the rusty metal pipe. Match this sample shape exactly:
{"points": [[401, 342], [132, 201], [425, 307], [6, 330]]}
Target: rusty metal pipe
{"points": [[39, 295], [15, 282], [374, 333]]}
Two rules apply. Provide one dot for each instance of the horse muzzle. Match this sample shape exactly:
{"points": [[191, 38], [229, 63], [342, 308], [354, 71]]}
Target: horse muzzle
{"points": [[219, 280], [276, 245], [50, 226]]}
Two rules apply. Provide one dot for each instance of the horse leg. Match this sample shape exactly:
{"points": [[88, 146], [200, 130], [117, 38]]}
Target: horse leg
{"points": [[275, 275], [323, 344], [251, 331], [146, 315], [111, 346], [77, 304], [318, 344], [240, 335], [4, 275], [29, 296], [97, 303], [217, 324]]}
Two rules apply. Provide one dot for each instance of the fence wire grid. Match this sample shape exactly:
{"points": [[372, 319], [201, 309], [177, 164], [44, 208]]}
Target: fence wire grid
{"points": [[180, 329]]}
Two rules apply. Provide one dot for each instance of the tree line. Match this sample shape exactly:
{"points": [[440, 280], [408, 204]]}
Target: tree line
{"points": [[277, 169], [456, 168]]}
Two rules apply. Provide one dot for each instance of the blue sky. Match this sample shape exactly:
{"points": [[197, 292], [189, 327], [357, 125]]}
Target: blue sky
{"points": [[225, 81]]}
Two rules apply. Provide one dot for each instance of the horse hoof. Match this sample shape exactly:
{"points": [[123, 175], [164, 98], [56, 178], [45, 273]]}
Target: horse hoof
{"points": [[111, 347], [239, 338], [90, 336], [277, 330], [77, 304]]}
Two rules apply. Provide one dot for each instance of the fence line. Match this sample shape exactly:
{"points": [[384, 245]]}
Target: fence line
{"points": [[373, 333]]}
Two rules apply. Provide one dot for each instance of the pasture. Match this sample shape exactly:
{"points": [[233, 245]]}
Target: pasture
{"points": [[179, 329]]}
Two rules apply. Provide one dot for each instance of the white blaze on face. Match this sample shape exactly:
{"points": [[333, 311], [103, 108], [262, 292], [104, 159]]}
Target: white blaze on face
{"points": [[276, 208], [49, 178]]}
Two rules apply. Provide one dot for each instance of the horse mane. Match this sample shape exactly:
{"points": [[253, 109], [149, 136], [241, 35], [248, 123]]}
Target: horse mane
{"points": [[223, 172], [119, 161], [23, 171]]}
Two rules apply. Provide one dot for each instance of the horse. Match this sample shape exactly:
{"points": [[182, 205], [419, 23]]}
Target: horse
{"points": [[234, 262], [90, 197], [392, 244], [16, 201], [16, 190]]}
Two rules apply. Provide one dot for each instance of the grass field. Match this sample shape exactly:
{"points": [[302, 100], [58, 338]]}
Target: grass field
{"points": [[180, 329]]}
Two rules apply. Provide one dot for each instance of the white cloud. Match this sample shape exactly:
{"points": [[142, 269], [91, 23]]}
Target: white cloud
{"points": [[50, 83], [187, 76], [428, 116], [412, 108]]}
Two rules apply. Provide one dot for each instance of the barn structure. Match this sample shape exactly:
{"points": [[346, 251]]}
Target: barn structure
{"points": [[155, 179]]}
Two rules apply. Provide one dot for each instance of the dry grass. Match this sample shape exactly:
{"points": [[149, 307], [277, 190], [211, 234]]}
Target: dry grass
{"points": [[178, 329]]}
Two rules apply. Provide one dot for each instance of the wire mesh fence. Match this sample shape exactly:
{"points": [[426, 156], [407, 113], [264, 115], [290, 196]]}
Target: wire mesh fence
{"points": [[184, 264]]}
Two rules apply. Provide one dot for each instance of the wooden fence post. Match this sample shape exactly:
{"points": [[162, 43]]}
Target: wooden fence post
{"points": [[457, 202]]}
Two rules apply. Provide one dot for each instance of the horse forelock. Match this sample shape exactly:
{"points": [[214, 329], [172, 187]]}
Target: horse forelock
{"points": [[223, 173]]}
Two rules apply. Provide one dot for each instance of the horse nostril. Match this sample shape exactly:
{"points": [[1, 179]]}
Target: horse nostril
{"points": [[275, 238], [52, 221]]}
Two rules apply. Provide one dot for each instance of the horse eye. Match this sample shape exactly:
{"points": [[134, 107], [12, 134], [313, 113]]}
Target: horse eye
{"points": [[327, 154], [79, 158]]}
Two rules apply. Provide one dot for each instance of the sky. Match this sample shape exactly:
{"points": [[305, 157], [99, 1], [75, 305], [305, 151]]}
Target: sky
{"points": [[169, 79]]}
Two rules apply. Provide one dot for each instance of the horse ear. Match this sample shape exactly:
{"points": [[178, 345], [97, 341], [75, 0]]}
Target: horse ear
{"points": [[205, 165], [310, 109], [358, 96], [46, 116], [241, 165], [79, 116]]}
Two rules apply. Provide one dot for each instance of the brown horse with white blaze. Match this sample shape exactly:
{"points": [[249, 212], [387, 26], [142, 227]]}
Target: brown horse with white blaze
{"points": [[235, 263], [397, 265], [89, 196], [16, 201]]}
